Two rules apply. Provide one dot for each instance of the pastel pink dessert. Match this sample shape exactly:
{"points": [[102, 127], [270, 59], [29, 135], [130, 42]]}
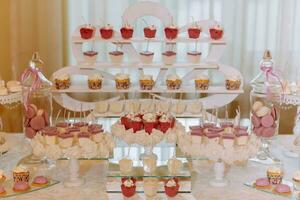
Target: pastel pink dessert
{"points": [[150, 31], [30, 132], [262, 183], [283, 189], [62, 126], [267, 121], [106, 32], [37, 123], [94, 127], [199, 131], [226, 125], [87, 32], [40, 181], [2, 190], [21, 186]]}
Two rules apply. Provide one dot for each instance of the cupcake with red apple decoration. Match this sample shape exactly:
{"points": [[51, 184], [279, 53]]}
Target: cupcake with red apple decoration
{"points": [[150, 122], [106, 32], [194, 31], [90, 56], [164, 123], [171, 32], [128, 187], [146, 82], [87, 31], [171, 187], [150, 31], [126, 121], [216, 32], [116, 56], [136, 123], [126, 31]]}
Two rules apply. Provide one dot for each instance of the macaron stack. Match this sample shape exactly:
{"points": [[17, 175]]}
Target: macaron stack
{"points": [[35, 120], [264, 119]]}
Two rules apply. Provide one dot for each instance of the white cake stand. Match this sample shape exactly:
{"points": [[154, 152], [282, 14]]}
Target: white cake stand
{"points": [[219, 180], [74, 179]]}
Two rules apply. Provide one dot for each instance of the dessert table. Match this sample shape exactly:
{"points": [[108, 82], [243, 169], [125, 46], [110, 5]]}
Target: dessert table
{"points": [[94, 173]]}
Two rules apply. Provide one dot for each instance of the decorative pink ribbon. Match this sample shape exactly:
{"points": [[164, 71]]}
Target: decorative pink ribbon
{"points": [[268, 70], [34, 72]]}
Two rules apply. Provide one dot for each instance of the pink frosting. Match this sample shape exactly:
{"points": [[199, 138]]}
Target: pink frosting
{"points": [[267, 121], [212, 135], [83, 135], [282, 188], [21, 186], [40, 180], [2, 189], [228, 136], [66, 135], [63, 124], [262, 182], [241, 133]]}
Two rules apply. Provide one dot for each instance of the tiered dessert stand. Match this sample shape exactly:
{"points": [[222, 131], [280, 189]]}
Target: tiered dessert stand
{"points": [[218, 95]]}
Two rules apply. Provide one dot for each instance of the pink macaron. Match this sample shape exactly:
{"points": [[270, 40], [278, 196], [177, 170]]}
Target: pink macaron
{"points": [[30, 132], [258, 131], [282, 188], [268, 132], [38, 123], [255, 120], [267, 121]]}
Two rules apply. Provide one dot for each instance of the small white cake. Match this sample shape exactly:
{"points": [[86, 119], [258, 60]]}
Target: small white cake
{"points": [[174, 165], [149, 164]]}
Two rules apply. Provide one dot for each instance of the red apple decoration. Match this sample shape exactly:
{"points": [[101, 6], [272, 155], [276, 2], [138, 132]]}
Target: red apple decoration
{"points": [[172, 191], [106, 32], [126, 32], [171, 32], [216, 32], [150, 31], [128, 191], [87, 32], [194, 32]]}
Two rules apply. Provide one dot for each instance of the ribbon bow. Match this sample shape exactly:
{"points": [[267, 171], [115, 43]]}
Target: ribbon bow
{"points": [[269, 71], [34, 72]]}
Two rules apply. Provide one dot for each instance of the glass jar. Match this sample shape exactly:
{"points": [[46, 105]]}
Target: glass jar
{"points": [[264, 101], [37, 97]]}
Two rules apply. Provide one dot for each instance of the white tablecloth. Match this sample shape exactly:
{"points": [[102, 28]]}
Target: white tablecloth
{"points": [[94, 174]]}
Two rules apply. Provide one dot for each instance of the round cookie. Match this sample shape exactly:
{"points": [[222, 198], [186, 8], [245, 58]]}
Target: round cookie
{"points": [[30, 132], [257, 105], [268, 132], [267, 121], [262, 111], [255, 120], [258, 131], [37, 123]]}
